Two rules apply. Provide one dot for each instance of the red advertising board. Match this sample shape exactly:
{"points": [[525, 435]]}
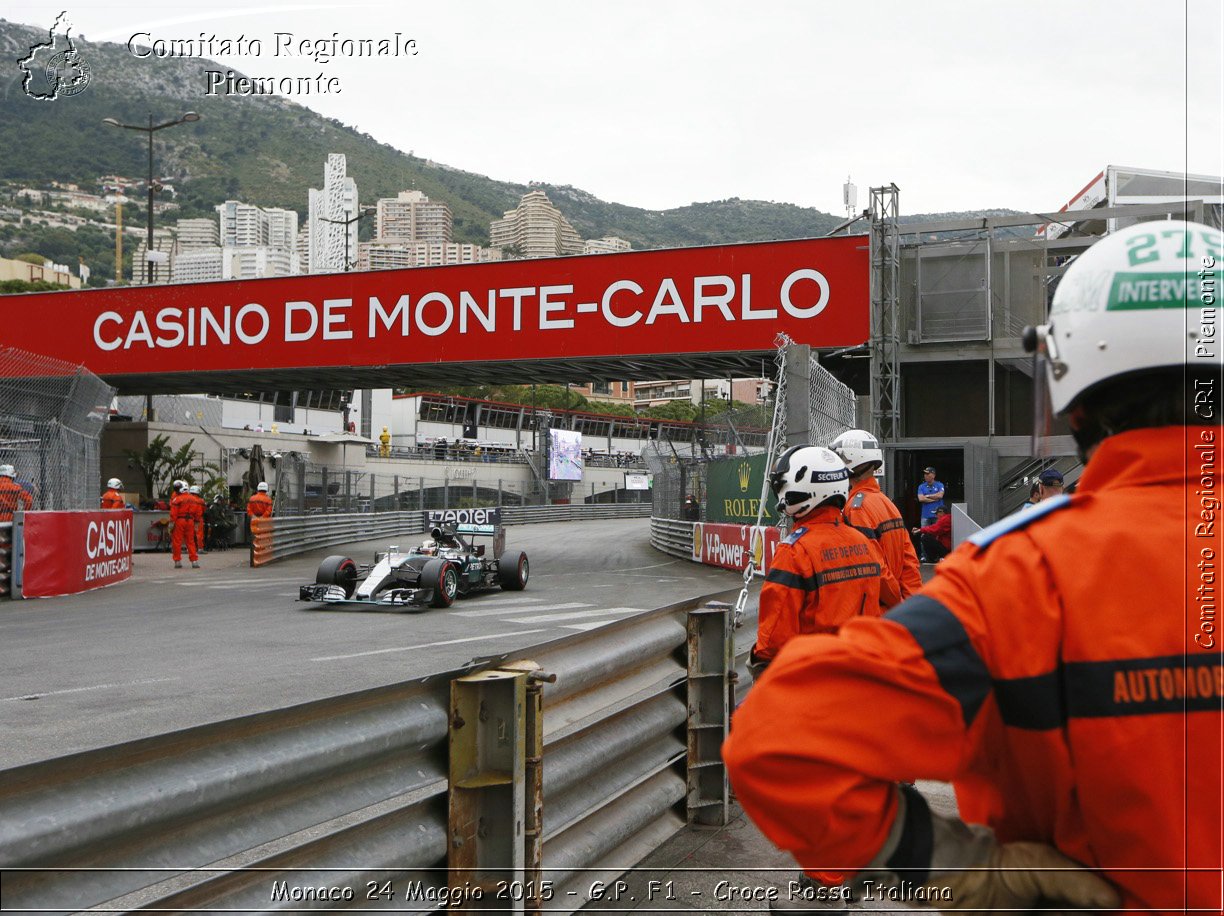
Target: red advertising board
{"points": [[717, 299], [729, 546], [63, 553]]}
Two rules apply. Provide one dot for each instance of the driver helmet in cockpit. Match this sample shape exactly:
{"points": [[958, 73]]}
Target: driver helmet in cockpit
{"points": [[429, 547]]}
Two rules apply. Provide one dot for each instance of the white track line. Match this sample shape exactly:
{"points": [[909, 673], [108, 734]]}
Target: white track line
{"points": [[425, 645], [52, 693], [594, 612], [495, 611]]}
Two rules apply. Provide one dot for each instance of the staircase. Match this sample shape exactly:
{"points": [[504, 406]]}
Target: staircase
{"points": [[1014, 487]]}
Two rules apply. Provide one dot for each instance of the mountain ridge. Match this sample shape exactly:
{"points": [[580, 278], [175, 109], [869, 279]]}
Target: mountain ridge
{"points": [[269, 150]]}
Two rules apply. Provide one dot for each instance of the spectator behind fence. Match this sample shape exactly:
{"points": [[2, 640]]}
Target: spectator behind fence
{"points": [[13, 496], [935, 540]]}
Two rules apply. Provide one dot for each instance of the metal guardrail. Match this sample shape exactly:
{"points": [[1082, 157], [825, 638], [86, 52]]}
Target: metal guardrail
{"points": [[275, 538], [355, 785], [672, 537]]}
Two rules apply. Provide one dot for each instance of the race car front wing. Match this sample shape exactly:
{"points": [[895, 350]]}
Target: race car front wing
{"points": [[393, 597]]}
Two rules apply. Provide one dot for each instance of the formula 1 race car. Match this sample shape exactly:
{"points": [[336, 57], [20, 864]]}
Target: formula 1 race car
{"points": [[447, 565]]}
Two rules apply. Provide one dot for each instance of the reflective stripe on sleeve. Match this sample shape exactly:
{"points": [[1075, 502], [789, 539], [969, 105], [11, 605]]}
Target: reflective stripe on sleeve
{"points": [[793, 580], [946, 645]]}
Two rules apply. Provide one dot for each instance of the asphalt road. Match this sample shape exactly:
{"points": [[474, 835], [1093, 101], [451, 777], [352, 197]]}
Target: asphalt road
{"points": [[174, 648]]}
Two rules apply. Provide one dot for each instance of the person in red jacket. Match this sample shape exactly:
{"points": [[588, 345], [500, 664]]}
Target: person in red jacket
{"points": [[260, 503], [113, 498], [182, 521], [1073, 698], [873, 513], [935, 539], [13, 496]]}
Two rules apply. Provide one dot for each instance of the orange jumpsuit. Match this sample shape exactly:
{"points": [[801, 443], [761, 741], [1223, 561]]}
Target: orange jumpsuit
{"points": [[13, 496], [198, 508], [113, 499], [822, 574], [259, 505], [1073, 696], [182, 517], [875, 515]]}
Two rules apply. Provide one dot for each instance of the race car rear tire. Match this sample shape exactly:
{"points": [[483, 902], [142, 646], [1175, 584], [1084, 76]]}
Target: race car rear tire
{"points": [[513, 570], [340, 571], [443, 578]]}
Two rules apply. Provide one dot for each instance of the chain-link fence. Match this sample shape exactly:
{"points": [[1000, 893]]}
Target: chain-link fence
{"points": [[803, 390], [51, 417], [303, 487]]}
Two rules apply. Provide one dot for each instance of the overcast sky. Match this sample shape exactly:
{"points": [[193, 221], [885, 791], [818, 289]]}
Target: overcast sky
{"points": [[659, 103]]}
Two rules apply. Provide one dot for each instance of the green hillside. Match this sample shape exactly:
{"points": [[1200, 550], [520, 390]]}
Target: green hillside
{"points": [[269, 151]]}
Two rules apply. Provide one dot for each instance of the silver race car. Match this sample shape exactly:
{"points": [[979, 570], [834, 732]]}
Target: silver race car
{"points": [[449, 564]]}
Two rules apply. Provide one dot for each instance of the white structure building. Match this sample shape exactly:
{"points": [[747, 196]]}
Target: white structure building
{"points": [[197, 265], [197, 233], [382, 255], [413, 217], [535, 229], [333, 218], [609, 244]]}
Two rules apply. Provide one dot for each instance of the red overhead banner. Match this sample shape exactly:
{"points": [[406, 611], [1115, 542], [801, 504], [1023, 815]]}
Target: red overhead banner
{"points": [[64, 553], [718, 299]]}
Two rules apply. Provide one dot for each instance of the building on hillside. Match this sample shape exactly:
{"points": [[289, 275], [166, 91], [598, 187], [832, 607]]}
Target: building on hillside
{"points": [[302, 248], [194, 234], [535, 229], [197, 265], [333, 219], [163, 255], [609, 244], [413, 217], [48, 272], [384, 255], [613, 392], [242, 224]]}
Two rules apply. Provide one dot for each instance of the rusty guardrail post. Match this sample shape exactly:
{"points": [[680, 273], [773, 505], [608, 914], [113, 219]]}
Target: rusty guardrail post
{"points": [[485, 849], [710, 663], [533, 833]]}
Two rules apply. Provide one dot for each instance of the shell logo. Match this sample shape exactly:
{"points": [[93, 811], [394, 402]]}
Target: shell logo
{"points": [[757, 542], [697, 542]]}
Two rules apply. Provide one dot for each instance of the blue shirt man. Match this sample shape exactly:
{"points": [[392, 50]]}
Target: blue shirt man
{"points": [[930, 494]]}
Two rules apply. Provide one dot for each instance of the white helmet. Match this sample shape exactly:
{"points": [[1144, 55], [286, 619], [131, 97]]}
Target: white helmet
{"points": [[858, 447], [807, 476], [179, 484], [6, 470], [1121, 308], [262, 488], [114, 483], [194, 490]]}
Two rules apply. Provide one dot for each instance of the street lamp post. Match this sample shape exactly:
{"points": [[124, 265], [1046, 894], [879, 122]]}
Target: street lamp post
{"points": [[361, 214], [186, 118]]}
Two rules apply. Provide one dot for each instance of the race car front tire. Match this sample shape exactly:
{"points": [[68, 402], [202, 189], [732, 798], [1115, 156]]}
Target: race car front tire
{"points": [[443, 578], [513, 570], [340, 571]]}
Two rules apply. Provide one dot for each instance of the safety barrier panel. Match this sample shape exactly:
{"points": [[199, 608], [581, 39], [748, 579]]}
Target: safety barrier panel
{"points": [[276, 538], [6, 559], [352, 791]]}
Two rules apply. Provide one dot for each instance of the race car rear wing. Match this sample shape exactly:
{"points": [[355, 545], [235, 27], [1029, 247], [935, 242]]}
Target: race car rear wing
{"points": [[478, 522]]}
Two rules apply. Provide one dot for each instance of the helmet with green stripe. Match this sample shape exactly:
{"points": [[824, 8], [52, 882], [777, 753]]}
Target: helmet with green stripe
{"points": [[1130, 304]]}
